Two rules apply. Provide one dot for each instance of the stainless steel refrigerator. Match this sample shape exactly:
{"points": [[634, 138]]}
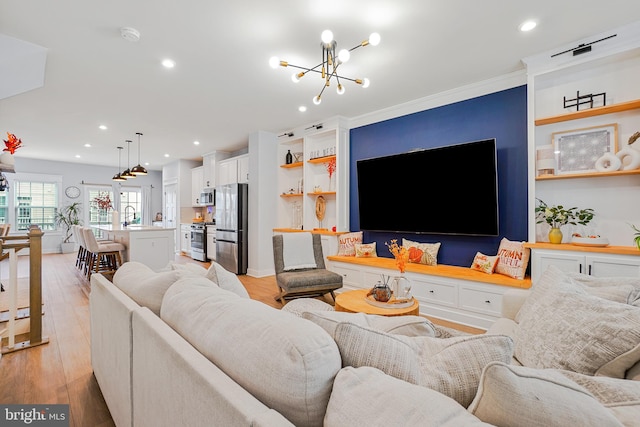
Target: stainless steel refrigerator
{"points": [[231, 227]]}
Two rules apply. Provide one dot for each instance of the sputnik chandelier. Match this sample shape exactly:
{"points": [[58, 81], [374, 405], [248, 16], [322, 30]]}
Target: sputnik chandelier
{"points": [[328, 68]]}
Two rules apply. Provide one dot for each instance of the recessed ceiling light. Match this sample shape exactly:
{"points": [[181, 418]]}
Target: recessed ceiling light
{"points": [[528, 26], [77, 156], [196, 142], [146, 163], [130, 34], [302, 108], [103, 127], [87, 145], [166, 155], [168, 63]]}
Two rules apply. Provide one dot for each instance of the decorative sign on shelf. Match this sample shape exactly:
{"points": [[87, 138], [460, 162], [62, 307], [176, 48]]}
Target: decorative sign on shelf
{"points": [[584, 99]]}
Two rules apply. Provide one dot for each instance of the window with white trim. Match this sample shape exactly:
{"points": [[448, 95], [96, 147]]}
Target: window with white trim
{"points": [[131, 205], [34, 202]]}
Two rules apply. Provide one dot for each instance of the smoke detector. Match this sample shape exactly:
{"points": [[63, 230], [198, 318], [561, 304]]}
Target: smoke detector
{"points": [[130, 34]]}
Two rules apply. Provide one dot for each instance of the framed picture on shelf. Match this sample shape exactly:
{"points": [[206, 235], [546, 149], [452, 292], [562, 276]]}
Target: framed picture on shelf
{"points": [[578, 150]]}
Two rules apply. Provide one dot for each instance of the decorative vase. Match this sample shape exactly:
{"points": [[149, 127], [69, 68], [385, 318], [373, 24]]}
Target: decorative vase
{"points": [[7, 158], [381, 292], [402, 288], [555, 235]]}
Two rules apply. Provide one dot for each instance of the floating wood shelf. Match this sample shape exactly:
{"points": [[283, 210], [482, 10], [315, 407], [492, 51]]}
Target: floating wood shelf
{"points": [[614, 250], [592, 112], [292, 165], [324, 159], [323, 231], [291, 195], [588, 175], [322, 193]]}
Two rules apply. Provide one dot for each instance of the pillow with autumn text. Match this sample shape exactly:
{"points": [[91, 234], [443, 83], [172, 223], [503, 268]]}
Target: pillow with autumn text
{"points": [[513, 258], [347, 243], [422, 253]]}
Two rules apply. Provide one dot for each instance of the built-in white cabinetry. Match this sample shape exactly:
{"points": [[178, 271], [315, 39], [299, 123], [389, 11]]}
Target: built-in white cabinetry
{"points": [[185, 239], [234, 169], [610, 262], [611, 67], [197, 179], [313, 187], [456, 294]]}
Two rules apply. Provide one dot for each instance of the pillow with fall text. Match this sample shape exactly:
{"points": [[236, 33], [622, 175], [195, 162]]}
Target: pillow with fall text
{"points": [[366, 250], [485, 263]]}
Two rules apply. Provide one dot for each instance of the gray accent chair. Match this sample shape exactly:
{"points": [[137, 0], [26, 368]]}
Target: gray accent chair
{"points": [[304, 282]]}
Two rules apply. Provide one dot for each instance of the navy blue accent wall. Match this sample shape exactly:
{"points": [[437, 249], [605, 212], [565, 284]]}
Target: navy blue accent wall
{"points": [[501, 115]]}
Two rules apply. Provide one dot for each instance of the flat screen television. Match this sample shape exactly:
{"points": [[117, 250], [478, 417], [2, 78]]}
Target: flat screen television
{"points": [[444, 190]]}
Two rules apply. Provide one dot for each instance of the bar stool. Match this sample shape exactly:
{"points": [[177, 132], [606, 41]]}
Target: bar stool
{"points": [[101, 257], [82, 249]]}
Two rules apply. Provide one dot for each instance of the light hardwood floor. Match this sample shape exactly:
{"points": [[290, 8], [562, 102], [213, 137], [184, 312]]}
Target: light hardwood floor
{"points": [[60, 372]]}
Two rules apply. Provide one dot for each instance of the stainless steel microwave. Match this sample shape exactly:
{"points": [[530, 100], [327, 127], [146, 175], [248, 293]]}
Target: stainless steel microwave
{"points": [[208, 197]]}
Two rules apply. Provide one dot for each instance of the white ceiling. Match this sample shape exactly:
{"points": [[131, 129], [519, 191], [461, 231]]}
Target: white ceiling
{"points": [[222, 87]]}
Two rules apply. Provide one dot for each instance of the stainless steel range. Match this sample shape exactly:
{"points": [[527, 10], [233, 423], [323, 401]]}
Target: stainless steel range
{"points": [[199, 241]]}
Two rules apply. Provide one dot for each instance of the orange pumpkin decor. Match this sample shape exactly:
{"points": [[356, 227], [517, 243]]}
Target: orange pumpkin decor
{"points": [[415, 254], [12, 143]]}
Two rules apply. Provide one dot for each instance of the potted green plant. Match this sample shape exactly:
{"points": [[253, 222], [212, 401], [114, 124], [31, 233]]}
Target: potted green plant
{"points": [[636, 235], [66, 218], [557, 216]]}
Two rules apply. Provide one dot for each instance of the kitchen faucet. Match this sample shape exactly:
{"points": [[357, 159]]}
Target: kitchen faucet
{"points": [[125, 214]]}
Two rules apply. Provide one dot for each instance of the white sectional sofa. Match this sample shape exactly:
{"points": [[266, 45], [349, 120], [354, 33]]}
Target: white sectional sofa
{"points": [[188, 347]]}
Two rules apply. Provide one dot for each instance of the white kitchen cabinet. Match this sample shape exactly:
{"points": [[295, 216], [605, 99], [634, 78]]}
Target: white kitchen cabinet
{"points": [[185, 239], [234, 169], [591, 263], [209, 170], [227, 171], [197, 184], [243, 169]]}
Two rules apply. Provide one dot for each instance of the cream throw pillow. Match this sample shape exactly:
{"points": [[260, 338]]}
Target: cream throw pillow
{"points": [[517, 396], [226, 279], [367, 397], [411, 326], [561, 326], [621, 397], [284, 361], [145, 286], [451, 366]]}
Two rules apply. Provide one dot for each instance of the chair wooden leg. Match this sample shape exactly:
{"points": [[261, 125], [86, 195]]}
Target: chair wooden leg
{"points": [[333, 295]]}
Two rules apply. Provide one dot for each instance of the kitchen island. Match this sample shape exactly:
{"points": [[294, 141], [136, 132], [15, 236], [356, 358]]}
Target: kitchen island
{"points": [[150, 245]]}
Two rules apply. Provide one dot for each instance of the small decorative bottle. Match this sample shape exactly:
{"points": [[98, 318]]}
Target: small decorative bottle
{"points": [[289, 157]]}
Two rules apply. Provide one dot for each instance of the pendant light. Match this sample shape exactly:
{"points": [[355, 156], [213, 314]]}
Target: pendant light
{"points": [[127, 172], [118, 176], [138, 169]]}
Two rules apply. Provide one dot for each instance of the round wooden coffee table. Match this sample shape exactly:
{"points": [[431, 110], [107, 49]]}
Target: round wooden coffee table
{"points": [[355, 302]]}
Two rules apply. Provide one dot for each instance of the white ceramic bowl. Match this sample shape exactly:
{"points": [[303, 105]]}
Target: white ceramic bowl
{"points": [[590, 241]]}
